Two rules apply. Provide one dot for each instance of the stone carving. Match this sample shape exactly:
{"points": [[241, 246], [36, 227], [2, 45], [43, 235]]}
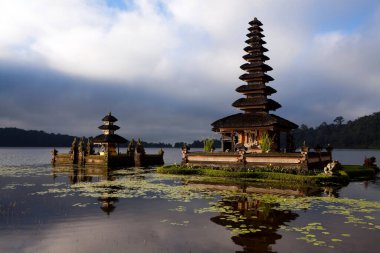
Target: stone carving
{"points": [[81, 145], [73, 147], [185, 150], [332, 168], [140, 147], [90, 147], [131, 147]]}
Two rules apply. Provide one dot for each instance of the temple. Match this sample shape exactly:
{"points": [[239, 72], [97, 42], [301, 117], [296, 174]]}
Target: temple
{"points": [[255, 137], [109, 141], [108, 152], [247, 128]]}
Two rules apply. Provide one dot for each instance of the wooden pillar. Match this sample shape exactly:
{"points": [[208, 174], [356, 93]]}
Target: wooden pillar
{"points": [[233, 141]]}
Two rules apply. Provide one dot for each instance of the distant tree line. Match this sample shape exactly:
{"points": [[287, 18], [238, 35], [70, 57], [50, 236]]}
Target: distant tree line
{"points": [[157, 145], [363, 132], [15, 137], [197, 144]]}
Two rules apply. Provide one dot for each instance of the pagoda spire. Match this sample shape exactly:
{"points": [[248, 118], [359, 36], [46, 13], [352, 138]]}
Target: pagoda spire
{"points": [[256, 90]]}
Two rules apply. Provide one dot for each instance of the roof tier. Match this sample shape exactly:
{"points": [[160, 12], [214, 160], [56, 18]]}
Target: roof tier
{"points": [[255, 33], [252, 120], [255, 28], [257, 103], [256, 76], [109, 138], [109, 118], [109, 127], [260, 57], [255, 40], [248, 88], [255, 22], [253, 66], [250, 49]]}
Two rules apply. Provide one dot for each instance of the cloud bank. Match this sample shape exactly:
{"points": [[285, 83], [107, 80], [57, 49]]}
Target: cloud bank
{"points": [[168, 69]]}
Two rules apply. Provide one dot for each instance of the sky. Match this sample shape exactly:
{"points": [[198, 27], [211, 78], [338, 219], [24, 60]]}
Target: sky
{"points": [[167, 69]]}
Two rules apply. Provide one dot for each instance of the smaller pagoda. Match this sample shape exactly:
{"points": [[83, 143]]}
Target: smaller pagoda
{"points": [[109, 154], [109, 141]]}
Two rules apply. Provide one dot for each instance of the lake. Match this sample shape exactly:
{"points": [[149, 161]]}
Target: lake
{"points": [[46, 209]]}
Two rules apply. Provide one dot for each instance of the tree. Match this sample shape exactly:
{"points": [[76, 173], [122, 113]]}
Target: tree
{"points": [[339, 120]]}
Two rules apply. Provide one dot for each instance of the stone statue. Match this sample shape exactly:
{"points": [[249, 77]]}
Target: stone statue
{"points": [[332, 168], [81, 145], [90, 147], [140, 147], [73, 147], [131, 147]]}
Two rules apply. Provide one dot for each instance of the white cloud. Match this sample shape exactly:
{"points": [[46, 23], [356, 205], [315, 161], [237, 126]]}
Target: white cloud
{"points": [[191, 50], [87, 39]]}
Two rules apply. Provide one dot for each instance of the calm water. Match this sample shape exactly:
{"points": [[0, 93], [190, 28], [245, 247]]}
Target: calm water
{"points": [[45, 209]]}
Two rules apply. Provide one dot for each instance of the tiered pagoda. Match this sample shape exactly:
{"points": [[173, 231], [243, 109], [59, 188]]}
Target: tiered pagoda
{"points": [[247, 128], [109, 154], [109, 141]]}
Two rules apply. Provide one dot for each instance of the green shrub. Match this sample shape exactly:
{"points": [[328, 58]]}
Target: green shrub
{"points": [[359, 172], [208, 144], [265, 142]]}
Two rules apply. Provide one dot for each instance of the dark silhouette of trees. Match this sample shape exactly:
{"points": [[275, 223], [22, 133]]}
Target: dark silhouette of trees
{"points": [[363, 132], [339, 120], [15, 137], [197, 144]]}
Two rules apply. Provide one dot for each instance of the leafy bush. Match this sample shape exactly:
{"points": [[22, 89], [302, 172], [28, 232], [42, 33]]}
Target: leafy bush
{"points": [[208, 144], [359, 172], [265, 142]]}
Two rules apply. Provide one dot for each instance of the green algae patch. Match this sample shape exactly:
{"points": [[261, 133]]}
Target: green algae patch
{"points": [[358, 172], [258, 175]]}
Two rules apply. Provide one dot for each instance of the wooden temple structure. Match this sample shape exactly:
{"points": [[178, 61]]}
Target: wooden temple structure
{"points": [[108, 154], [242, 134], [247, 128]]}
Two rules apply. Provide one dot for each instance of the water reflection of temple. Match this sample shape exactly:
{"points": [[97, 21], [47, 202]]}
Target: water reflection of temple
{"points": [[257, 214], [91, 175], [262, 188]]}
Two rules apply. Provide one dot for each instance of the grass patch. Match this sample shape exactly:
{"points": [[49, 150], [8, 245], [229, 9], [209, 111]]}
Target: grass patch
{"points": [[317, 179], [358, 172]]}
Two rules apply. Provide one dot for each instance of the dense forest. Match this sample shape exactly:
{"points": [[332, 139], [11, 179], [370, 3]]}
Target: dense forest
{"points": [[15, 137], [363, 132]]}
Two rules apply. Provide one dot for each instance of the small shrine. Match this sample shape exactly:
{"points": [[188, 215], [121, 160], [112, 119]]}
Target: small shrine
{"points": [[255, 137], [109, 154], [109, 141], [246, 129]]}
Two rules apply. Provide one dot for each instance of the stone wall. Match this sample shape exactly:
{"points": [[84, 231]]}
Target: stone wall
{"points": [[120, 160], [298, 160]]}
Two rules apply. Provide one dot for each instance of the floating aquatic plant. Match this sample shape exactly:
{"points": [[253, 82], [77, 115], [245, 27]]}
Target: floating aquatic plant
{"points": [[138, 184]]}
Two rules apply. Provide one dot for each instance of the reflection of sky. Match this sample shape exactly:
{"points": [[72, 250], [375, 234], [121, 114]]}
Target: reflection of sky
{"points": [[43, 223], [167, 69], [134, 227]]}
